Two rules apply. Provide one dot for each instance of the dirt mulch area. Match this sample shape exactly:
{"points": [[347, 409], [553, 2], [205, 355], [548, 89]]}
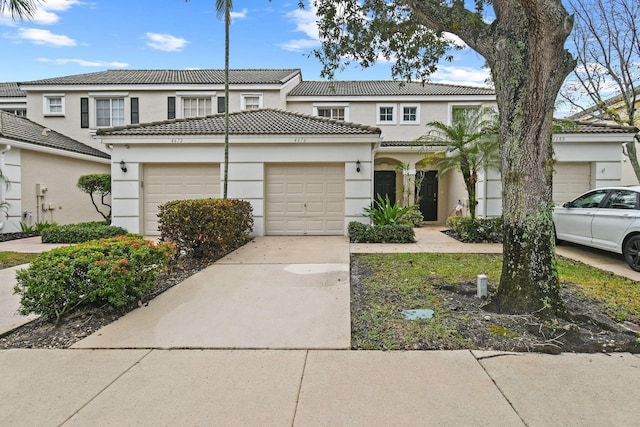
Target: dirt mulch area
{"points": [[468, 325], [5, 237]]}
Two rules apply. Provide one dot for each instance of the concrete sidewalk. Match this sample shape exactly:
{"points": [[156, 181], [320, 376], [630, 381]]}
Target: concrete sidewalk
{"points": [[316, 387]]}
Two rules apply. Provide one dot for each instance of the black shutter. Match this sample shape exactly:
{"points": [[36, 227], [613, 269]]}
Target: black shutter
{"points": [[221, 104], [135, 115], [171, 108], [84, 112]]}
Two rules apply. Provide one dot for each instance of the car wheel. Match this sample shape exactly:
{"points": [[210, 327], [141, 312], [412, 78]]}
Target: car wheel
{"points": [[631, 252]]}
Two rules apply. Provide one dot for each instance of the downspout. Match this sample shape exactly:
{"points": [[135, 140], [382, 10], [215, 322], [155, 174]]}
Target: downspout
{"points": [[6, 149]]}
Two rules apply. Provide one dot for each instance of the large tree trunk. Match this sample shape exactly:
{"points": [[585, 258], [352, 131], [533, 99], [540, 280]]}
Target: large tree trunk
{"points": [[529, 64]]}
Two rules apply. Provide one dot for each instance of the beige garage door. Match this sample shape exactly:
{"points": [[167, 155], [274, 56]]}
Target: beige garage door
{"points": [[166, 182], [305, 200], [570, 180]]}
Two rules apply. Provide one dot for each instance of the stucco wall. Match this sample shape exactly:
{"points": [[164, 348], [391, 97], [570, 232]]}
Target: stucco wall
{"points": [[247, 162]]}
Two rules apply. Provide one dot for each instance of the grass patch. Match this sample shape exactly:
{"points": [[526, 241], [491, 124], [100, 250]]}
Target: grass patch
{"points": [[10, 259], [385, 284]]}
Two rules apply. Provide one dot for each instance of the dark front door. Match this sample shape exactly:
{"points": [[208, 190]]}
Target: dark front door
{"points": [[384, 183], [427, 193]]}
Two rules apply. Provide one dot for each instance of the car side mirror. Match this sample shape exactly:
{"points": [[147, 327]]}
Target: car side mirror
{"points": [[567, 205]]}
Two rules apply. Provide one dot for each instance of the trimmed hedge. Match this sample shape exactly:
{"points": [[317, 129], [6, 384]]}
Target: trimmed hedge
{"points": [[79, 233], [395, 233], [206, 228], [478, 230], [113, 272]]}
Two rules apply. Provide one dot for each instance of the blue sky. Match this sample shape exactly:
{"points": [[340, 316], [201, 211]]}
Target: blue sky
{"points": [[81, 36]]}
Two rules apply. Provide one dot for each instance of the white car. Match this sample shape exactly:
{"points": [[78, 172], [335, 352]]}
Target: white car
{"points": [[605, 218]]}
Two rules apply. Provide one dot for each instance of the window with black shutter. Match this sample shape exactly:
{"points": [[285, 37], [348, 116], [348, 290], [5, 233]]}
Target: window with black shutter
{"points": [[84, 112], [171, 107], [135, 116], [221, 104]]}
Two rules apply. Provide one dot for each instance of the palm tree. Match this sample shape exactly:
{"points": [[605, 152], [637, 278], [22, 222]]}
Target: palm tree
{"points": [[223, 7], [19, 9], [471, 146]]}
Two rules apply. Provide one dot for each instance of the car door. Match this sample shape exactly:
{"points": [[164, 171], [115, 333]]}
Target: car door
{"points": [[573, 219], [611, 222]]}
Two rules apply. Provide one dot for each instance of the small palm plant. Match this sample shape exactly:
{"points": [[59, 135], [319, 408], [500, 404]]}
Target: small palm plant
{"points": [[383, 212]]}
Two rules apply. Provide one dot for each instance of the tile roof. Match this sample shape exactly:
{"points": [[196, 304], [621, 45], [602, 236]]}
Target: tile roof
{"points": [[254, 122], [383, 88], [11, 90], [590, 127], [570, 127], [22, 129], [171, 77]]}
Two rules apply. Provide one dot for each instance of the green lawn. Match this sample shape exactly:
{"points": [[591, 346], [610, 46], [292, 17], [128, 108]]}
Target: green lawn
{"points": [[9, 259]]}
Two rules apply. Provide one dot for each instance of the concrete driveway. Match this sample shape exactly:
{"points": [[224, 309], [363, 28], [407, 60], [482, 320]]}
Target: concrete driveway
{"points": [[275, 292]]}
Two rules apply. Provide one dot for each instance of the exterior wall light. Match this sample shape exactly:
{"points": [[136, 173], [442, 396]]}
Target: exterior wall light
{"points": [[358, 166], [123, 166]]}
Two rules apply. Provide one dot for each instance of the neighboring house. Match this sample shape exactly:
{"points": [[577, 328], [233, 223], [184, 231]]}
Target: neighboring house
{"points": [[594, 115], [131, 111], [79, 105], [43, 167], [12, 99], [302, 174]]}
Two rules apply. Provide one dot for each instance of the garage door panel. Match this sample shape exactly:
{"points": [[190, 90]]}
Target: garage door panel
{"points": [[570, 180], [167, 182], [311, 200]]}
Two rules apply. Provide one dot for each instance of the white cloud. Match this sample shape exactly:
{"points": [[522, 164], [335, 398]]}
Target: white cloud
{"points": [[305, 22], [239, 15], [466, 76], [44, 37], [84, 63], [46, 13], [166, 42]]}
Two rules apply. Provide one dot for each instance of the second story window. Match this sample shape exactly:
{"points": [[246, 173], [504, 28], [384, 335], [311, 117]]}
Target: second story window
{"points": [[109, 111], [410, 114], [54, 105], [386, 114], [251, 101], [331, 113], [196, 107]]}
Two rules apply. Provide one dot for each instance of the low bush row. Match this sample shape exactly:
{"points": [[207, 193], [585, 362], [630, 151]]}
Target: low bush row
{"points": [[114, 271], [477, 230], [392, 233], [78, 233], [206, 228]]}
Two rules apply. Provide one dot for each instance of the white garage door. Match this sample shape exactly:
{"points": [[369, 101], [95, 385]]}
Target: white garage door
{"points": [[305, 200], [166, 182], [570, 180]]}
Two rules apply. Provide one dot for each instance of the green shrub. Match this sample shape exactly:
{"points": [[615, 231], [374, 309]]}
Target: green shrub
{"points": [[114, 272], [206, 228], [478, 230], [44, 225], [78, 233], [395, 233], [382, 212], [411, 216]]}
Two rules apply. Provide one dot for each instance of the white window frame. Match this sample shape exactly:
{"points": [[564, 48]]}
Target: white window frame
{"points": [[394, 114], [198, 100], [326, 105], [453, 105], [244, 96], [182, 96], [409, 122], [46, 104], [111, 121]]}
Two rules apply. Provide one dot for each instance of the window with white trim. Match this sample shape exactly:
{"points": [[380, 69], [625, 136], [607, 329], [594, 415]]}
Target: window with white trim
{"points": [[53, 105], [386, 114], [251, 101], [410, 114], [109, 111], [336, 113], [458, 111], [196, 107]]}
